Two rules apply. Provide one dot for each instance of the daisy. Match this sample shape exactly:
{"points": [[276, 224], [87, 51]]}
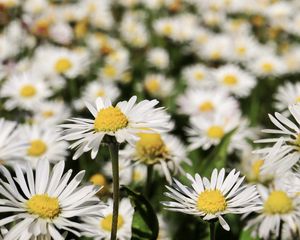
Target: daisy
{"points": [[286, 129], [206, 102], [100, 228], [43, 143], [210, 199], [11, 146], [278, 207], [207, 132], [287, 94], [157, 149], [198, 75], [122, 121], [24, 91], [157, 85], [158, 57], [41, 205], [235, 80]]}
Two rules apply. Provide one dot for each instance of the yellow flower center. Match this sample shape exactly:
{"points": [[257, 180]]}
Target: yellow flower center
{"points": [[256, 165], [199, 75], [109, 71], [110, 119], [215, 132], [230, 80], [267, 67], [206, 106], [241, 51], [63, 65], [98, 179], [151, 147], [37, 148], [28, 91], [43, 206], [47, 114], [297, 100], [216, 55], [152, 85], [106, 222], [278, 203], [211, 202], [100, 93], [136, 176], [167, 30]]}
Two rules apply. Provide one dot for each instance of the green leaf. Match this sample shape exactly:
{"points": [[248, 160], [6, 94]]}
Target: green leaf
{"points": [[217, 158], [246, 235], [144, 223]]}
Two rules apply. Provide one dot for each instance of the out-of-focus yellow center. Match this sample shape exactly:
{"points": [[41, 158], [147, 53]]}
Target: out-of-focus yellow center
{"points": [[256, 165], [37, 148], [62, 65], [110, 119], [216, 132], [47, 114], [106, 222], [241, 51], [43, 206], [297, 100], [267, 67], [98, 179], [230, 80], [100, 93], [206, 106], [152, 85], [211, 202], [167, 30], [216, 55], [28, 91], [109, 71], [150, 147], [199, 75], [278, 202]]}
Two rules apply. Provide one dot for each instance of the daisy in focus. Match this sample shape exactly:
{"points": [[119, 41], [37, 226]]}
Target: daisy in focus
{"points": [[210, 199], [43, 203], [100, 228], [122, 121]]}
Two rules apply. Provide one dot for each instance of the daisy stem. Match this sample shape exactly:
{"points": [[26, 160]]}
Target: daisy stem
{"points": [[212, 228], [149, 180], [114, 155]]}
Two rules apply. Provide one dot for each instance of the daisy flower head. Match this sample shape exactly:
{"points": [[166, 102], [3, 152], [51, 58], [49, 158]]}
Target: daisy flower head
{"points": [[11, 146], [157, 85], [207, 132], [210, 199], [24, 91], [198, 75], [163, 149], [43, 143], [235, 80], [279, 208], [43, 203], [206, 102], [122, 121], [288, 130], [158, 57], [287, 94]]}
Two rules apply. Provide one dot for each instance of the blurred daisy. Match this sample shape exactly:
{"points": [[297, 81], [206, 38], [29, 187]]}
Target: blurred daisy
{"points": [[12, 148], [157, 85], [158, 57], [287, 94], [207, 132], [43, 143], [100, 228], [24, 91], [235, 80], [41, 205], [213, 198], [278, 207], [122, 121], [197, 75], [206, 102], [154, 148]]}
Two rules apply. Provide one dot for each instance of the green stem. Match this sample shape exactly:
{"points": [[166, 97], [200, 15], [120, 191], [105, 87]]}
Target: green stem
{"points": [[114, 155], [212, 229], [149, 180]]}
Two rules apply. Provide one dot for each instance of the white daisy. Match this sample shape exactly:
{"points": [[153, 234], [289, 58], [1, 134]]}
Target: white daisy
{"points": [[157, 149], [213, 198], [24, 91], [11, 146], [41, 205], [100, 228], [278, 207], [287, 94], [123, 122], [43, 143], [198, 75], [158, 57], [157, 85], [235, 80]]}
